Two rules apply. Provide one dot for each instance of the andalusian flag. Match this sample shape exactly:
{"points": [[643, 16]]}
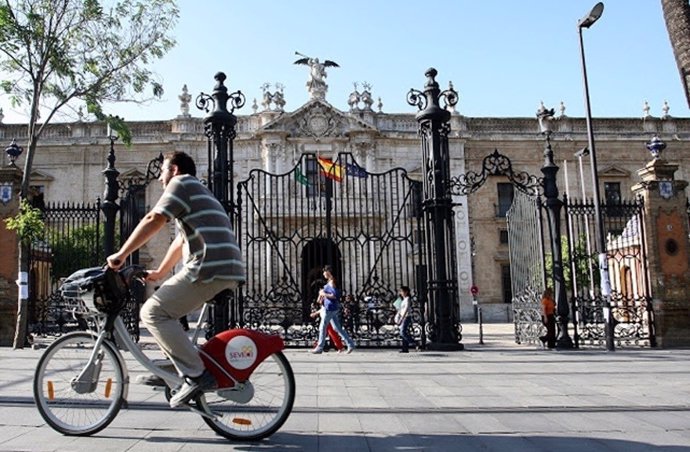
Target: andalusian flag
{"points": [[331, 170], [301, 178]]}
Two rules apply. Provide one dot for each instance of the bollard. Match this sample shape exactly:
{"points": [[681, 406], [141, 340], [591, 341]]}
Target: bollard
{"points": [[481, 325]]}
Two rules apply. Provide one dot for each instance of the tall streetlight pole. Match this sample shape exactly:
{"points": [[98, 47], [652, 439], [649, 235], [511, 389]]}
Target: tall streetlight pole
{"points": [[605, 284]]}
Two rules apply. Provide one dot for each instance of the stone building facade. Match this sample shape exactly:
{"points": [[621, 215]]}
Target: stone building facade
{"points": [[72, 156]]}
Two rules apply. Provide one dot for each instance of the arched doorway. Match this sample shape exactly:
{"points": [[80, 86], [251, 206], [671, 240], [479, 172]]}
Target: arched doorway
{"points": [[315, 255]]}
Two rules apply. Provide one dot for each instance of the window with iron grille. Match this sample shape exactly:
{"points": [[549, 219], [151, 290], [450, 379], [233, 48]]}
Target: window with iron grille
{"points": [[612, 192], [505, 198], [507, 283]]}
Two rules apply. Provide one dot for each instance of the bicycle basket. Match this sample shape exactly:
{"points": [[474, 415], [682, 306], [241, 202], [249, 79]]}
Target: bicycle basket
{"points": [[110, 292]]}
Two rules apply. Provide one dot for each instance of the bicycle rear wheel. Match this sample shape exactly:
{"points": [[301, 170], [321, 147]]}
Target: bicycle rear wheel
{"points": [[274, 394], [84, 407]]}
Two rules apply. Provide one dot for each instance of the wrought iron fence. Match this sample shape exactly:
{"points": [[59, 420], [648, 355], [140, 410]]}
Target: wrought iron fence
{"points": [[73, 240], [631, 308]]}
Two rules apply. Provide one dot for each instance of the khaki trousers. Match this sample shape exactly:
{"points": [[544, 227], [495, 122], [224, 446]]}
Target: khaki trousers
{"points": [[178, 296]]}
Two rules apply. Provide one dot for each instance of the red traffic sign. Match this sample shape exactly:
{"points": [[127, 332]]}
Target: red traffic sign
{"points": [[474, 290]]}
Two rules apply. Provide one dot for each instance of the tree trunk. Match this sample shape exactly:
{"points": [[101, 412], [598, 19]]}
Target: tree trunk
{"points": [[677, 18], [20, 338]]}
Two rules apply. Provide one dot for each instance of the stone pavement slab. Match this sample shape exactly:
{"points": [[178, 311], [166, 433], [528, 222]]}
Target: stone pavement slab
{"points": [[493, 397]]}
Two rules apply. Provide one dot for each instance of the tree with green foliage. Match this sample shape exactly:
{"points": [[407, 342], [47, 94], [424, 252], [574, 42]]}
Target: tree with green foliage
{"points": [[60, 54], [585, 264], [28, 223]]}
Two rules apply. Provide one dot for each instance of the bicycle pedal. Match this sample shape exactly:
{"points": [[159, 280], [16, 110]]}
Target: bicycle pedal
{"points": [[200, 412]]}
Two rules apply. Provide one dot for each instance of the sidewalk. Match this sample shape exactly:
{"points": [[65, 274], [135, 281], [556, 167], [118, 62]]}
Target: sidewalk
{"points": [[493, 397]]}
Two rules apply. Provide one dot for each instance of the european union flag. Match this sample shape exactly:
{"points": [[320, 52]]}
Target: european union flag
{"points": [[354, 170]]}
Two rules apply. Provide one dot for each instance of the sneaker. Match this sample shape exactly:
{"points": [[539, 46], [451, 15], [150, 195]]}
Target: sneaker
{"points": [[191, 387], [404, 351], [155, 380], [316, 351], [350, 350], [150, 380]]}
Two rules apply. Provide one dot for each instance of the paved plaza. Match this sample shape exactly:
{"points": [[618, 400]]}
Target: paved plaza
{"points": [[493, 397]]}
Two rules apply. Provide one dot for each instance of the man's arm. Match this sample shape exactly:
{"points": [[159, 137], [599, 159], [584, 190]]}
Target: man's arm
{"points": [[147, 228], [173, 255]]}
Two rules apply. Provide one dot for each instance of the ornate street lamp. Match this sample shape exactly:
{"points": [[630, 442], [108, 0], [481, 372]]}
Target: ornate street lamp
{"points": [[605, 284], [553, 206], [109, 206], [13, 151]]}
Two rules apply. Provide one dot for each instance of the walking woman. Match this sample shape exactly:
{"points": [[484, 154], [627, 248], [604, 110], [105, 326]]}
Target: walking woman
{"points": [[329, 296], [548, 318]]}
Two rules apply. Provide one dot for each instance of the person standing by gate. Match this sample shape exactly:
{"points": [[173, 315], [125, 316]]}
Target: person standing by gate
{"points": [[548, 318], [403, 319], [329, 296]]}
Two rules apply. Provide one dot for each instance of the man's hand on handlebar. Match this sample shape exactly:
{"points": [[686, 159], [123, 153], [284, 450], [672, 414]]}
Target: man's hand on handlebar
{"points": [[115, 261], [154, 275]]}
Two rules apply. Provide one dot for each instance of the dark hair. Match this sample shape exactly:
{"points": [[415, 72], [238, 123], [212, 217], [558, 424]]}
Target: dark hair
{"points": [[405, 290], [329, 269], [183, 162]]}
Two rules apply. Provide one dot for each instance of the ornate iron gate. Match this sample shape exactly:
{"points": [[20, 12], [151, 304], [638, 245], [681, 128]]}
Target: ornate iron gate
{"points": [[73, 240], [527, 266], [366, 225], [631, 308]]}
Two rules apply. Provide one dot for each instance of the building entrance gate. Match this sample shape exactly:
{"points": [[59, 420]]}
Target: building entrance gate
{"points": [[365, 225]]}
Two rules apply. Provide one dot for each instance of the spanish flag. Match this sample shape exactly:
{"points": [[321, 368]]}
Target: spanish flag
{"points": [[331, 170]]}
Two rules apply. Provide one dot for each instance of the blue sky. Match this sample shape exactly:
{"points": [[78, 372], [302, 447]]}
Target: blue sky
{"points": [[503, 56]]}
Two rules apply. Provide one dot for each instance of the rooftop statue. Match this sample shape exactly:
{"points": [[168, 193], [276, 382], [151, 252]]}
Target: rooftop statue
{"points": [[317, 75]]}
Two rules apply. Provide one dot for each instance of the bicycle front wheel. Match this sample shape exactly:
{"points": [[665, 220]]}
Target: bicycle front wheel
{"points": [[75, 399], [274, 393]]}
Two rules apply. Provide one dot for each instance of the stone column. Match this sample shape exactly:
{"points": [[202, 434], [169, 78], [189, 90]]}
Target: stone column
{"points": [[10, 179], [668, 251]]}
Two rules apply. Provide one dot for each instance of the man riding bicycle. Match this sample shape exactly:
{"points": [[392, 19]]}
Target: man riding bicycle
{"points": [[213, 263]]}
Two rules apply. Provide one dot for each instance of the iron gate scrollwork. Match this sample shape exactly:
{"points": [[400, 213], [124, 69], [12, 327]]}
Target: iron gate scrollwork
{"points": [[132, 210], [364, 224], [527, 266]]}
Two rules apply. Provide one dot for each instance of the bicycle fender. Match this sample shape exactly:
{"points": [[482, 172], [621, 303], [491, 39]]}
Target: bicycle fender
{"points": [[238, 352]]}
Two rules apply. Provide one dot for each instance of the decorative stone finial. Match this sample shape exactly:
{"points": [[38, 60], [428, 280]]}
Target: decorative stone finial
{"points": [[665, 109], [2, 115], [185, 98], [379, 106], [561, 110], [645, 110], [655, 146]]}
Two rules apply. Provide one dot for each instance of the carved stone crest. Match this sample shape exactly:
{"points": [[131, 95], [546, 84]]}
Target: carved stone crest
{"points": [[5, 192], [318, 122], [666, 189]]}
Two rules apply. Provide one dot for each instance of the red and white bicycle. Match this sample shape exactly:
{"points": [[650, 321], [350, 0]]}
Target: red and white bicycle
{"points": [[81, 381]]}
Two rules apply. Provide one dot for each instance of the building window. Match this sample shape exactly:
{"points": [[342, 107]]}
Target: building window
{"points": [[503, 236], [612, 192], [316, 181], [507, 283], [505, 198]]}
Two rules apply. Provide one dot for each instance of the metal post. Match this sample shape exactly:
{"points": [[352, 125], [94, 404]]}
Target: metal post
{"points": [[437, 207], [109, 206], [219, 127], [553, 207], [605, 284]]}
